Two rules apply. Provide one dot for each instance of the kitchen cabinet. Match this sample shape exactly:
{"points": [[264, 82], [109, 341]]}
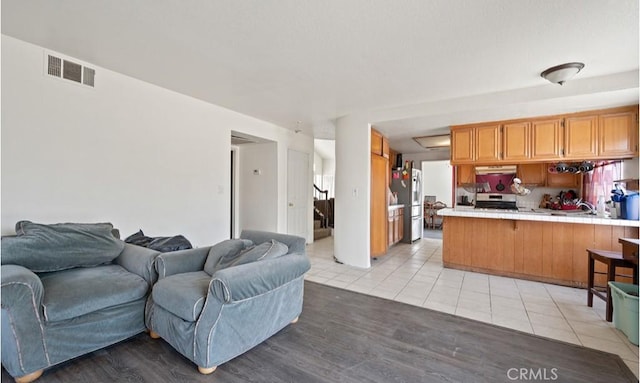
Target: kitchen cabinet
{"points": [[564, 180], [580, 137], [488, 147], [618, 134], [584, 136], [379, 203], [465, 174], [462, 142], [516, 141], [532, 174], [396, 224], [538, 174], [376, 142], [379, 144], [546, 139], [385, 147]]}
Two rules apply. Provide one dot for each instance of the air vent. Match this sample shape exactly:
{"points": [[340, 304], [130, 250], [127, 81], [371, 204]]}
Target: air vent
{"points": [[88, 75], [72, 71], [69, 70], [54, 66]]}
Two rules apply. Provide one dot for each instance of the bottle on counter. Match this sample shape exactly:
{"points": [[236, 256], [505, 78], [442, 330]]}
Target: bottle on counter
{"points": [[600, 207]]}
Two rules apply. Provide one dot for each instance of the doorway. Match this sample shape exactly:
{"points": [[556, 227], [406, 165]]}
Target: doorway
{"points": [[232, 192], [298, 193]]}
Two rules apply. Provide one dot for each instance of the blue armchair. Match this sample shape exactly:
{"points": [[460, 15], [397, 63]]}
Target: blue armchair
{"points": [[67, 290], [214, 303]]}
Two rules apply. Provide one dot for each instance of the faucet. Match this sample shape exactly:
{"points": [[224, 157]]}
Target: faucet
{"points": [[589, 206]]}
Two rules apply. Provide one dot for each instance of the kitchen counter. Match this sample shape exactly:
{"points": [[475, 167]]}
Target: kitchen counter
{"points": [[565, 216], [396, 206]]}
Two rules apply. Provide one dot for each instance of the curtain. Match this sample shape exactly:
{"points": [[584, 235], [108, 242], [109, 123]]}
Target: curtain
{"points": [[600, 181]]}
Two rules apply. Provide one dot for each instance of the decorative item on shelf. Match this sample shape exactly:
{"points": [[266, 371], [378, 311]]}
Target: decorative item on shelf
{"points": [[518, 189], [546, 202]]}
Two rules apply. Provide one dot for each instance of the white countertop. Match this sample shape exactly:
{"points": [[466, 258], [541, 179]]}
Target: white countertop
{"points": [[395, 206], [551, 216]]}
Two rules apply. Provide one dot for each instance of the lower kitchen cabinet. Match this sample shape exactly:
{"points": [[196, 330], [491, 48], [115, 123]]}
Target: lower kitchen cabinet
{"points": [[552, 252], [396, 224]]}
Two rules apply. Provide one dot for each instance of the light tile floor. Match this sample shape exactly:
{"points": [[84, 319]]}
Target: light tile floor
{"points": [[413, 274]]}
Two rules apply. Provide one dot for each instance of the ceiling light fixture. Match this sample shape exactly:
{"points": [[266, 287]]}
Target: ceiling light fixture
{"points": [[561, 73], [442, 141]]}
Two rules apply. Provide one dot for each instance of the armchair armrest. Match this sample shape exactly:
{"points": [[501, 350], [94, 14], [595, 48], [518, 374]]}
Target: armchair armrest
{"points": [[23, 348], [252, 279], [139, 260], [181, 261]]}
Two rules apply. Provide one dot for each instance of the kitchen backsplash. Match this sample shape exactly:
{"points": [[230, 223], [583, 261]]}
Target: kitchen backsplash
{"points": [[530, 201]]}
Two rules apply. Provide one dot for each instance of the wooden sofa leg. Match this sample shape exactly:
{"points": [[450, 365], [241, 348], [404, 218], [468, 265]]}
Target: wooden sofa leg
{"points": [[29, 377], [206, 370], [295, 320], [154, 335]]}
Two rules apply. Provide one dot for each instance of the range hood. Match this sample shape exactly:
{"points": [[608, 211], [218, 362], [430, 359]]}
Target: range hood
{"points": [[502, 169]]}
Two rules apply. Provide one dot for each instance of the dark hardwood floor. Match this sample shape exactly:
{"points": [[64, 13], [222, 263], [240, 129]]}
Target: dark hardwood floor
{"points": [[344, 336]]}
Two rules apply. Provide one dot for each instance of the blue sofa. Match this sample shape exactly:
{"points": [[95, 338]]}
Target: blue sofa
{"points": [[214, 303], [67, 290]]}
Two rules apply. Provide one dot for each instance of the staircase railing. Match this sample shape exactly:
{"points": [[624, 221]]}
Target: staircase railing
{"points": [[326, 214], [319, 191]]}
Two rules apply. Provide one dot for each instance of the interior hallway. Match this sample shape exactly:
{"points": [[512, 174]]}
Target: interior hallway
{"points": [[413, 274]]}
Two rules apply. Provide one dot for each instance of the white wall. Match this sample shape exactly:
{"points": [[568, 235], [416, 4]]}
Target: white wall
{"points": [[328, 167], [126, 152], [437, 180], [353, 187], [317, 165], [258, 192]]}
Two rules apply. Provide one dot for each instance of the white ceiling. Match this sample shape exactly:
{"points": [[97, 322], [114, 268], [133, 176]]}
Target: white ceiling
{"points": [[414, 66]]}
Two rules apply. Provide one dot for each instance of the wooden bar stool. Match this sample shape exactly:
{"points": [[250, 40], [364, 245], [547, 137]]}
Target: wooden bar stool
{"points": [[613, 260]]}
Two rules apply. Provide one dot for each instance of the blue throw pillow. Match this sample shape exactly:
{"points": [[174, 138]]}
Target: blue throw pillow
{"points": [[223, 254], [265, 250], [61, 246]]}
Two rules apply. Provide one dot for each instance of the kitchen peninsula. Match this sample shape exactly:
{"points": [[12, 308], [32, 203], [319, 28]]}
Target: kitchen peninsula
{"points": [[535, 246]]}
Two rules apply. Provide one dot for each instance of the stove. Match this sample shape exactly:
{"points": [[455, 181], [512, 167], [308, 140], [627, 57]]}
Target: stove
{"points": [[493, 187], [496, 201]]}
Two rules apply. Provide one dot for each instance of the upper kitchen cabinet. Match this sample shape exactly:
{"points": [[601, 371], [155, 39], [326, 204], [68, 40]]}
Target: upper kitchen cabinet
{"points": [[487, 143], [581, 137], [475, 144], [516, 141], [465, 174], [534, 174], [618, 134], [546, 139], [594, 135], [376, 142], [462, 142]]}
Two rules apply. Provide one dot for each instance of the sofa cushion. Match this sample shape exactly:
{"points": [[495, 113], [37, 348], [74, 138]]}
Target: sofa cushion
{"points": [[224, 253], [265, 250], [75, 292], [43, 248], [183, 294]]}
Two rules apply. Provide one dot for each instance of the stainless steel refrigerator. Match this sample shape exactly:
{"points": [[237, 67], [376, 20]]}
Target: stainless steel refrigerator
{"points": [[409, 191]]}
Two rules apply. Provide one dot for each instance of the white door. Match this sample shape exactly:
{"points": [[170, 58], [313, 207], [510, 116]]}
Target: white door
{"points": [[298, 193]]}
